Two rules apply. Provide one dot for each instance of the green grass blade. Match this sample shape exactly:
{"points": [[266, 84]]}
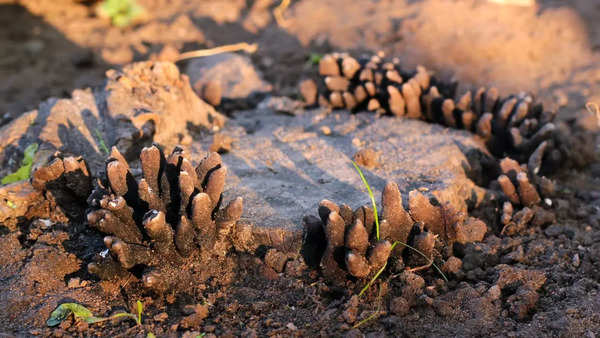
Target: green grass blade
{"points": [[375, 213], [140, 309], [376, 216], [424, 256], [368, 285], [101, 143], [374, 314]]}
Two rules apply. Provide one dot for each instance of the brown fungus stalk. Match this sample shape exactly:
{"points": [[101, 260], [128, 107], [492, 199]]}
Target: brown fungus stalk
{"points": [[343, 242], [169, 218], [523, 188], [67, 181]]}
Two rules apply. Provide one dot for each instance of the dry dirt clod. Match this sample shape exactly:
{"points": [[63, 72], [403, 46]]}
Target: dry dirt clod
{"points": [[367, 157], [524, 284], [399, 306], [222, 143], [276, 260], [472, 230], [452, 265]]}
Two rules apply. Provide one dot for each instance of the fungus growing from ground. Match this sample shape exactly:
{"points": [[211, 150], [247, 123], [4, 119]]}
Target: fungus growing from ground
{"points": [[515, 125], [160, 226], [345, 243]]}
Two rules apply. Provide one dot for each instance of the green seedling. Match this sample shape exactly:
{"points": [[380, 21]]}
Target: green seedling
{"points": [[81, 312], [101, 142], [315, 58], [24, 171], [376, 216], [122, 13], [140, 310]]}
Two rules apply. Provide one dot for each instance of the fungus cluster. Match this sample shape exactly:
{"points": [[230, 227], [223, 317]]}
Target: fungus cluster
{"points": [[513, 125], [155, 224], [343, 242], [524, 188]]}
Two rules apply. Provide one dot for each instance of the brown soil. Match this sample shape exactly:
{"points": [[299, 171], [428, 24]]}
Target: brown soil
{"points": [[542, 283]]}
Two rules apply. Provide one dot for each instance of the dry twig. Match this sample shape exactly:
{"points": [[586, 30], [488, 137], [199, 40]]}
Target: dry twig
{"points": [[242, 46]]}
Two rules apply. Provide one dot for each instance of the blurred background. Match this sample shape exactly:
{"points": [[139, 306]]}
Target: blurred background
{"points": [[548, 47]]}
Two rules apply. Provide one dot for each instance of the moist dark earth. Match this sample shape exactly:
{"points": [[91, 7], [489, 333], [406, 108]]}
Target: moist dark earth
{"points": [[544, 281]]}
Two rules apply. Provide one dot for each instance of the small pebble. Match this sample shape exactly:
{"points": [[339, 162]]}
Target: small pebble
{"points": [[576, 260], [494, 292], [326, 130], [161, 317], [561, 98], [367, 157], [74, 283]]}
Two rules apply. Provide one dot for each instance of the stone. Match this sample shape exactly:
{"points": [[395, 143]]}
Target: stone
{"points": [[236, 75], [283, 167]]}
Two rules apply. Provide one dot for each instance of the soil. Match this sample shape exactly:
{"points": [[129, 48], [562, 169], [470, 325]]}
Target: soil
{"points": [[545, 282]]}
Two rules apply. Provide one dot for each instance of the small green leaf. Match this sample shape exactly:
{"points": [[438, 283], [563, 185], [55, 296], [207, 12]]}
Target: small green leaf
{"points": [[121, 12], [315, 58], [140, 309], [11, 204], [150, 335], [64, 310], [101, 143], [81, 312], [24, 171]]}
